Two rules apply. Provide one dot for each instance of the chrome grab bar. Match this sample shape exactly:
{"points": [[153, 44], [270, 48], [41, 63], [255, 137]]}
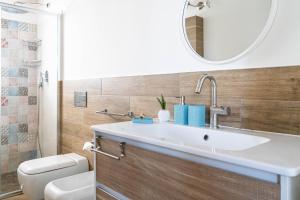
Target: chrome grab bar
{"points": [[105, 112], [99, 149]]}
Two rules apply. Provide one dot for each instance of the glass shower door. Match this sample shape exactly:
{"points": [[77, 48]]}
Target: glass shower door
{"points": [[19, 93]]}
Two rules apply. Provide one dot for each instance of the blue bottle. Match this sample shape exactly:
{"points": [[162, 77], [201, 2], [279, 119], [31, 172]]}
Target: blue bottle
{"points": [[196, 115], [181, 112]]}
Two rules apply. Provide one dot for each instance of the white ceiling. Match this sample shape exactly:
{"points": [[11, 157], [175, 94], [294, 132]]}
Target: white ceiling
{"points": [[56, 6]]}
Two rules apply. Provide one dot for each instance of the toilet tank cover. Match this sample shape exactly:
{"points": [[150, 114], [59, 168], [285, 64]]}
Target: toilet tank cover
{"points": [[46, 164]]}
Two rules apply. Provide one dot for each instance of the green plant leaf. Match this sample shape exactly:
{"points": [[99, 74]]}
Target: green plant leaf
{"points": [[162, 102]]}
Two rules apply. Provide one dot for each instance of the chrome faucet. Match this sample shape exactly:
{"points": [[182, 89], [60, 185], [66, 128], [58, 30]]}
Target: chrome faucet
{"points": [[214, 109]]}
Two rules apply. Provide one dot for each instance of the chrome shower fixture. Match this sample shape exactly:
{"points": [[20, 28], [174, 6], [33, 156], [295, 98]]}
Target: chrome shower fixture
{"points": [[44, 77], [201, 4], [32, 3], [13, 10]]}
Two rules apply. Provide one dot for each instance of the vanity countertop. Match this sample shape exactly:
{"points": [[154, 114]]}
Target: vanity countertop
{"points": [[278, 155]]}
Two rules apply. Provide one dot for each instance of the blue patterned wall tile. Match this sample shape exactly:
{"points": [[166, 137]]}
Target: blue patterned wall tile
{"points": [[4, 52], [24, 111], [13, 138], [32, 137], [25, 156], [22, 119], [4, 23], [29, 155], [4, 43], [32, 27], [13, 25], [4, 135], [4, 129], [12, 128], [23, 91], [4, 101], [23, 27], [4, 91], [13, 162], [23, 72], [13, 72], [4, 139], [22, 137], [23, 128], [23, 82], [33, 154], [4, 72], [5, 81], [13, 34], [13, 82], [12, 110], [5, 121], [32, 100], [13, 101], [17, 91], [13, 91], [15, 53], [4, 111]]}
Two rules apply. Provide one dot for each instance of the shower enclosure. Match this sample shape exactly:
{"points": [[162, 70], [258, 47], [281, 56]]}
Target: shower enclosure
{"points": [[29, 54]]}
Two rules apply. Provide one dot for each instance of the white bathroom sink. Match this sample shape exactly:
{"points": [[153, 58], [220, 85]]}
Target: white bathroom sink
{"points": [[190, 136], [274, 153], [197, 137]]}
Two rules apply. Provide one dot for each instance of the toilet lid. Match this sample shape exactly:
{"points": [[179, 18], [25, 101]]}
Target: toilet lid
{"points": [[47, 164]]}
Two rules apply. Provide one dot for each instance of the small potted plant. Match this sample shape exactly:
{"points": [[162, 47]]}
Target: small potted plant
{"points": [[163, 114]]}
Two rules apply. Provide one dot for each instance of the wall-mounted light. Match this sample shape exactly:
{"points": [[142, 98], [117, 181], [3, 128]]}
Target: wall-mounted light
{"points": [[201, 4]]}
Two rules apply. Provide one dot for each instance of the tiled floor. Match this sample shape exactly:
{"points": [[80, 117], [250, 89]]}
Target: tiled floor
{"points": [[19, 197], [9, 183]]}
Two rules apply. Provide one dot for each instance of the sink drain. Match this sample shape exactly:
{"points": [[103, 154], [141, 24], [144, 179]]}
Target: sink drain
{"points": [[206, 137]]}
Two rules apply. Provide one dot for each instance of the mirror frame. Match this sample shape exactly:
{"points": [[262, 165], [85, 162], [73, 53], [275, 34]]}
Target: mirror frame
{"points": [[265, 31]]}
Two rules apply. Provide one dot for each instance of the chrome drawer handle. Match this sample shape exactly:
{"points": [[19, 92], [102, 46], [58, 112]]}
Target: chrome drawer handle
{"points": [[99, 150]]}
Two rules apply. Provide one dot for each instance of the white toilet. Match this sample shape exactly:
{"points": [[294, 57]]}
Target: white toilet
{"points": [[77, 187], [34, 175]]}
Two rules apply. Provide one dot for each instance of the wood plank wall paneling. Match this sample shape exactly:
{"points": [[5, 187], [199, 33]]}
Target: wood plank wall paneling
{"points": [[265, 99], [194, 30]]}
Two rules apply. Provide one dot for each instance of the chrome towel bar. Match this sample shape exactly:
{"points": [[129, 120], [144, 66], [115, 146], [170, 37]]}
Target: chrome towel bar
{"points": [[105, 112], [98, 149]]}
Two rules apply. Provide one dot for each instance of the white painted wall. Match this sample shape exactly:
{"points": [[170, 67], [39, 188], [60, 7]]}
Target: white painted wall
{"points": [[134, 37], [48, 32]]}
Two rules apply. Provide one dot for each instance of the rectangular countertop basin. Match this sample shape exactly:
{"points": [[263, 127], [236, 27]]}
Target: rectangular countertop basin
{"points": [[271, 152]]}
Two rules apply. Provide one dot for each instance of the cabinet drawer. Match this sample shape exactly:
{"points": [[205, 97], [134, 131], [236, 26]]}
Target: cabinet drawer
{"points": [[102, 195], [143, 174]]}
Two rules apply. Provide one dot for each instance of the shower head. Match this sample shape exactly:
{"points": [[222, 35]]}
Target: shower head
{"points": [[13, 10], [32, 3]]}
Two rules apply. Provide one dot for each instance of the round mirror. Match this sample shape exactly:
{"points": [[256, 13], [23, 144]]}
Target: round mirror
{"points": [[221, 31]]}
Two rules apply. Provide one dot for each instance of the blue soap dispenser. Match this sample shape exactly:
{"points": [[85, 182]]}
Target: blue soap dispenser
{"points": [[181, 112]]}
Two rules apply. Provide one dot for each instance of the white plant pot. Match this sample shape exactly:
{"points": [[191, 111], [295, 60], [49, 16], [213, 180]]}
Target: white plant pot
{"points": [[164, 116]]}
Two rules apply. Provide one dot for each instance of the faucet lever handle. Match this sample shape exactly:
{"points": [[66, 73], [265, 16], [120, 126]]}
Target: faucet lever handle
{"points": [[225, 110], [222, 110]]}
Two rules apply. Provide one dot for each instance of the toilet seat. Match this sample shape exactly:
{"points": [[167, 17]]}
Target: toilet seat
{"points": [[34, 175], [47, 164]]}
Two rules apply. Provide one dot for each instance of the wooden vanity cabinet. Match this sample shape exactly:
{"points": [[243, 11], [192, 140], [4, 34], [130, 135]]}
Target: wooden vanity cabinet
{"points": [[101, 194], [143, 175]]}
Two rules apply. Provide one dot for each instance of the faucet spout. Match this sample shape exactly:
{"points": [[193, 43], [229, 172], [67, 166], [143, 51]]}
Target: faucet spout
{"points": [[214, 109], [213, 87]]}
